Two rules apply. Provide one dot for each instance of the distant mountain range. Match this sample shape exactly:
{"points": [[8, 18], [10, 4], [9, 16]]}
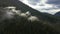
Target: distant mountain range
{"points": [[57, 14]]}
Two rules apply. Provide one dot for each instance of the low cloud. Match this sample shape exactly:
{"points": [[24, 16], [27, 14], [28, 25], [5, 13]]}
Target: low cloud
{"points": [[11, 12], [33, 18]]}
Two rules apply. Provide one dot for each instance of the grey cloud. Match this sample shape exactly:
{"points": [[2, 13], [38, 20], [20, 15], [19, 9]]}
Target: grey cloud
{"points": [[33, 2], [58, 6], [53, 2]]}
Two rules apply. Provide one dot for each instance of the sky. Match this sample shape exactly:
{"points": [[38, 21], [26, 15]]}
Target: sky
{"points": [[48, 6]]}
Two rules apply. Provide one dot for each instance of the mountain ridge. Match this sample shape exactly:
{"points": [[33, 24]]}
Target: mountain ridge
{"points": [[57, 14]]}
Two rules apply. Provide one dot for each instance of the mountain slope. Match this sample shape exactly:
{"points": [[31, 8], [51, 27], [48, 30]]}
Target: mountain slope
{"points": [[47, 20]]}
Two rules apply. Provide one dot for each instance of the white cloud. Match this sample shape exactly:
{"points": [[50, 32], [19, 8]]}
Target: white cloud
{"points": [[33, 18], [42, 6]]}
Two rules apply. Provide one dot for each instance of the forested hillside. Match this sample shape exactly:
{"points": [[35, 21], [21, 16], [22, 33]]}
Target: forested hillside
{"points": [[18, 18]]}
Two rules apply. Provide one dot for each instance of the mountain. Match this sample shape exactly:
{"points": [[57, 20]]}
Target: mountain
{"points": [[57, 14], [47, 19], [24, 8], [21, 6]]}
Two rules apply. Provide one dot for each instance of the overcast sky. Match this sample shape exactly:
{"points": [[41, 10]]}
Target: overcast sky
{"points": [[48, 6]]}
